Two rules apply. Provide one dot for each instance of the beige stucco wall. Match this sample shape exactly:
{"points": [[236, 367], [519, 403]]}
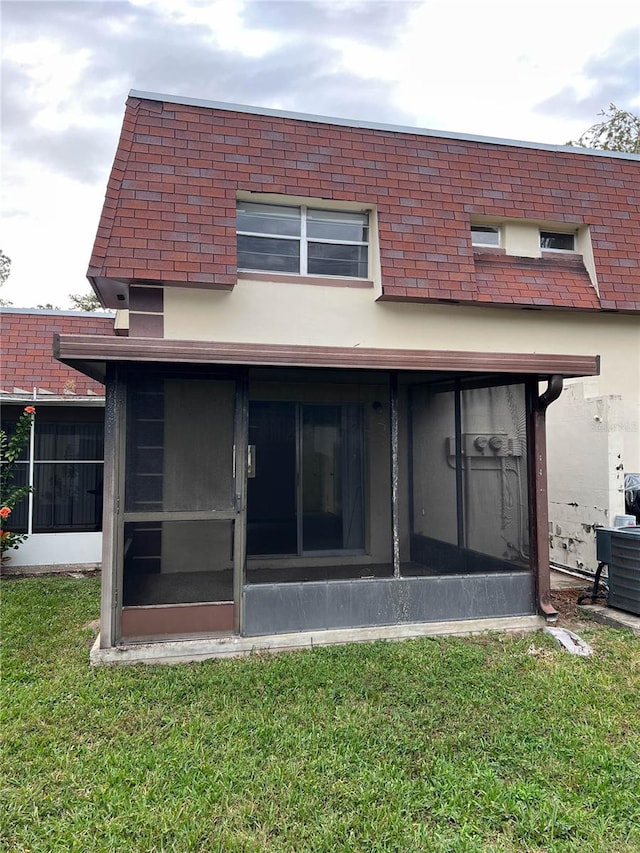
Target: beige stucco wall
{"points": [[294, 313], [586, 471], [259, 312]]}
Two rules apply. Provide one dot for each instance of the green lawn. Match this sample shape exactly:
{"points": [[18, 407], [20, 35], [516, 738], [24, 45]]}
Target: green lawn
{"points": [[428, 745]]}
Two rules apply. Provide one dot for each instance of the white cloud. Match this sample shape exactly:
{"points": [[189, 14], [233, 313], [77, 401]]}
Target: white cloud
{"points": [[482, 67], [537, 71]]}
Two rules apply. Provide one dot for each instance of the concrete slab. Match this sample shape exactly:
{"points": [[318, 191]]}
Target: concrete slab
{"points": [[564, 580], [612, 617], [187, 651], [78, 569]]}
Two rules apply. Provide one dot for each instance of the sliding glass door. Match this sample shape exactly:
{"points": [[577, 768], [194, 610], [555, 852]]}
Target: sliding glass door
{"points": [[305, 489]]}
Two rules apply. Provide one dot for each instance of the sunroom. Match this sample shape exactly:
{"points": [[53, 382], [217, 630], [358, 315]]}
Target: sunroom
{"points": [[256, 492]]}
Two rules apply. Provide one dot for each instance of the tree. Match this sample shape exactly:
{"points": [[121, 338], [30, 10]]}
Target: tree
{"points": [[48, 307], [619, 131], [5, 271], [85, 302], [5, 267]]}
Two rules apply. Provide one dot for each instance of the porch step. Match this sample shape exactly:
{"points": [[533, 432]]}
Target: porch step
{"points": [[187, 651]]}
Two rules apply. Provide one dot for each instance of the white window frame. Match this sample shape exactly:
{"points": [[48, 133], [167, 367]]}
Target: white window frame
{"points": [[478, 225], [31, 465], [553, 231], [304, 239]]}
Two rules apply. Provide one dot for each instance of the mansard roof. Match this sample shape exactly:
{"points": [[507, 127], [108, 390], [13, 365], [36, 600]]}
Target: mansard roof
{"points": [[169, 213]]}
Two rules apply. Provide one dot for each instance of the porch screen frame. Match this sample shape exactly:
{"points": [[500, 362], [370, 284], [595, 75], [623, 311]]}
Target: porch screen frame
{"points": [[457, 385], [115, 515], [115, 412]]}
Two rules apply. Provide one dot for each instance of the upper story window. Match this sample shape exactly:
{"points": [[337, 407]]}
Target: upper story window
{"points": [[485, 235], [302, 240], [557, 241]]}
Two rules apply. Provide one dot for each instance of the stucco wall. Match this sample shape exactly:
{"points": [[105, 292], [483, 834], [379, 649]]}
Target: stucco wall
{"points": [[593, 430], [259, 312], [591, 443]]}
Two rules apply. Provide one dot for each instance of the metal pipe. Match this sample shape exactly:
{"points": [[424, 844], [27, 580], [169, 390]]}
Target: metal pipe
{"points": [[395, 472], [31, 472], [540, 495], [460, 479]]}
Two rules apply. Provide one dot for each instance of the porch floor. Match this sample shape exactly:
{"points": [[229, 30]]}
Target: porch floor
{"points": [[193, 587]]}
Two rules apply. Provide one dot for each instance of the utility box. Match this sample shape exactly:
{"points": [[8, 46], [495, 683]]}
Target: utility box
{"points": [[603, 544]]}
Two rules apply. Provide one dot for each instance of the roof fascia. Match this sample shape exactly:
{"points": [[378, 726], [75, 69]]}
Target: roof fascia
{"points": [[83, 351], [369, 125]]}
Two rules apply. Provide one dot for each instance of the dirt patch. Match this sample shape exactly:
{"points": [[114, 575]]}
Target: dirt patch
{"points": [[566, 603], [17, 574]]}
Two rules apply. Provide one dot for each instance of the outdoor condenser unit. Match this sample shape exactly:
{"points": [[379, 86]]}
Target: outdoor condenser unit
{"points": [[619, 547]]}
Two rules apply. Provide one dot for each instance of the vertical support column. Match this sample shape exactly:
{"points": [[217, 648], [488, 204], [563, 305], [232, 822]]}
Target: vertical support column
{"points": [[240, 450], [31, 472], [298, 431], [461, 484], [113, 494], [539, 495], [395, 472]]}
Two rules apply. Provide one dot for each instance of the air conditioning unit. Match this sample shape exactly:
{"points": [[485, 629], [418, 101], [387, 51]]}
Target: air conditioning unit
{"points": [[619, 548]]}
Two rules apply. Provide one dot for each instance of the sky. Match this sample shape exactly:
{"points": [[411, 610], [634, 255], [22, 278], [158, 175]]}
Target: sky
{"points": [[517, 69]]}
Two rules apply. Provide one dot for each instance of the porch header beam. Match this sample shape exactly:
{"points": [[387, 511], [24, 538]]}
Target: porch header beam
{"points": [[82, 350]]}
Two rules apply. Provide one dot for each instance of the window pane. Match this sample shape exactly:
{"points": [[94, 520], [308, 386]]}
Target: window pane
{"points": [[268, 219], [71, 442], [17, 521], [67, 497], [178, 562], [557, 240], [270, 255], [494, 440], [485, 236], [332, 225], [322, 514], [435, 514], [8, 426], [332, 478], [337, 259], [180, 445], [272, 526]]}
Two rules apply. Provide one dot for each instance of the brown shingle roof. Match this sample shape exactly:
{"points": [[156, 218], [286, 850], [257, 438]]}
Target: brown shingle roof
{"points": [[169, 213], [537, 282]]}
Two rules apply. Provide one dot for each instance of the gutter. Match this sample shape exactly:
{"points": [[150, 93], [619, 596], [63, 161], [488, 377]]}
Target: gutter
{"points": [[543, 579]]}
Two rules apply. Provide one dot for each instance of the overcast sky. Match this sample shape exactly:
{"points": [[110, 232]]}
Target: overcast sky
{"points": [[538, 71]]}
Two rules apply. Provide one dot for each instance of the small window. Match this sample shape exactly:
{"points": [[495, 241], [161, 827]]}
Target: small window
{"points": [[485, 235], [557, 241], [302, 240]]}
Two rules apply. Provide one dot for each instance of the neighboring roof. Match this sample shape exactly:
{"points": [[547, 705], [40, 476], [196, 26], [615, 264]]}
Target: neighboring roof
{"points": [[169, 214], [26, 353]]}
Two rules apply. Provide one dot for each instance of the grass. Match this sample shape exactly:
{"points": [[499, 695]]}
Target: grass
{"points": [[443, 745]]}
